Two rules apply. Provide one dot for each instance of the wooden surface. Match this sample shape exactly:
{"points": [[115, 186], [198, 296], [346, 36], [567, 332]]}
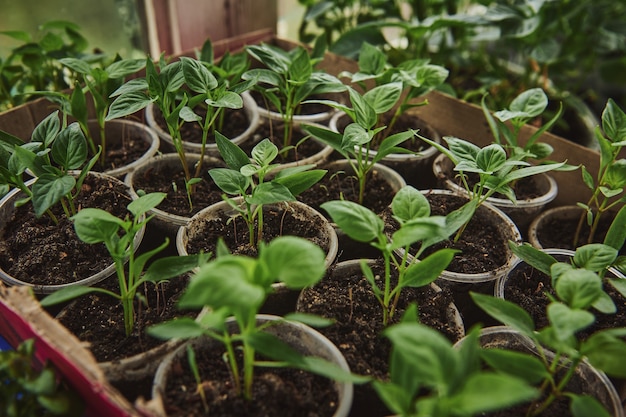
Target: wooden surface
{"points": [[174, 26]]}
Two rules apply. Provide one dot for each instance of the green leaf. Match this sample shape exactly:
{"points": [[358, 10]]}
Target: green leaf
{"points": [[358, 222], [127, 104], [178, 328], [300, 68], [594, 256], [578, 288], [491, 158], [409, 204], [77, 65], [354, 135], [605, 351], [171, 266], [428, 269], [462, 150], [94, 225], [270, 193], [522, 365], [395, 397], [584, 405], [264, 152], [208, 286], [230, 181], [47, 130], [418, 230], [69, 150], [529, 104], [301, 181], [198, 77], [309, 319], [232, 154], [68, 294], [327, 136], [371, 59], [504, 391], [294, 261], [614, 122], [537, 258], [506, 312], [145, 203], [566, 321], [124, 67], [383, 97], [229, 100], [364, 114], [49, 189]]}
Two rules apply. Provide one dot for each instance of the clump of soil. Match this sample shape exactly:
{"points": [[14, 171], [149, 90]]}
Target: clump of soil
{"points": [[122, 153], [41, 252]]}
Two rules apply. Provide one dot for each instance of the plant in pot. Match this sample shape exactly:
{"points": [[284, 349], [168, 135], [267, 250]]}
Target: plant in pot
{"points": [[417, 78], [560, 351], [364, 297], [177, 88], [358, 137], [285, 81], [247, 345], [591, 219], [431, 377], [63, 184], [130, 293], [535, 191], [530, 284], [29, 389], [125, 144]]}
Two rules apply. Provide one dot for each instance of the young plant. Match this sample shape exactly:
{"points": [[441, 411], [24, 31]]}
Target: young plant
{"points": [[430, 377], [29, 390], [607, 188], [177, 88], [417, 77], [495, 169], [52, 155], [94, 225], [287, 79], [412, 211], [358, 137], [100, 79], [524, 108], [247, 178], [579, 291], [237, 286]]}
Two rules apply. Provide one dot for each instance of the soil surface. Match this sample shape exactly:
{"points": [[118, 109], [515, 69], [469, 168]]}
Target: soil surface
{"points": [[38, 251], [560, 232], [349, 300], [99, 318], [340, 185], [130, 149], [276, 392], [302, 109], [277, 221], [171, 180]]}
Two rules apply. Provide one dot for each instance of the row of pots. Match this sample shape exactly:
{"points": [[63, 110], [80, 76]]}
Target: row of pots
{"points": [[184, 227]]}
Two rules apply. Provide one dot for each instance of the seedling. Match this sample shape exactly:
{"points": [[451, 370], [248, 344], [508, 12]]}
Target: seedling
{"points": [[412, 210], [94, 225], [52, 155], [246, 178], [237, 286]]}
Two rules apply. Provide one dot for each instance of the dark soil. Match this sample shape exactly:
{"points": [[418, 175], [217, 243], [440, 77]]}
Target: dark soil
{"points": [[348, 299], [235, 122], [529, 288], [99, 318], [123, 153], [482, 247], [171, 180], [337, 185], [276, 392], [560, 233], [41, 252], [273, 130], [277, 220]]}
